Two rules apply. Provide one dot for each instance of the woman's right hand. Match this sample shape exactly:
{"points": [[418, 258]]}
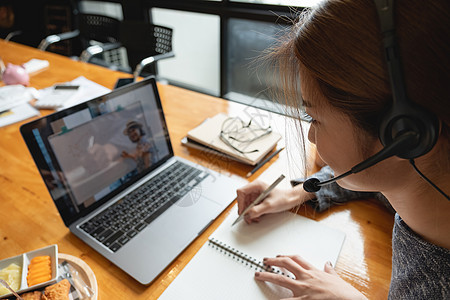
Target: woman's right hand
{"points": [[277, 201]]}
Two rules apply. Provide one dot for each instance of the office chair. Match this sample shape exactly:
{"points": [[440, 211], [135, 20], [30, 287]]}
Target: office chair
{"points": [[145, 44], [96, 33], [13, 34]]}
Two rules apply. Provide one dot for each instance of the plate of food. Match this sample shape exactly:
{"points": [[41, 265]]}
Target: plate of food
{"points": [[80, 275], [70, 277], [28, 271]]}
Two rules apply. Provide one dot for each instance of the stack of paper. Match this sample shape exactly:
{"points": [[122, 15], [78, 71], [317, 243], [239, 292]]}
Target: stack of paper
{"points": [[51, 98], [14, 106]]}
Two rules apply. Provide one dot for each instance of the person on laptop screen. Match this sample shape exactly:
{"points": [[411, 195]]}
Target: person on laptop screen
{"points": [[93, 147], [145, 152]]}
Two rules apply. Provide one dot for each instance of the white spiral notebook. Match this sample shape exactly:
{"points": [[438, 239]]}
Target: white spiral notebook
{"points": [[224, 267]]}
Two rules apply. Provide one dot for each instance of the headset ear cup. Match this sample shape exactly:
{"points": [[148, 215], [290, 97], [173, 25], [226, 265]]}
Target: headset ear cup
{"points": [[410, 118]]}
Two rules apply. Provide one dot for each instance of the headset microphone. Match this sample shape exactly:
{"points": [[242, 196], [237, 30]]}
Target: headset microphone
{"points": [[404, 141]]}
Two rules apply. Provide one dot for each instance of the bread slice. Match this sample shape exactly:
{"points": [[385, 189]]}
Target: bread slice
{"points": [[57, 291], [36, 295]]}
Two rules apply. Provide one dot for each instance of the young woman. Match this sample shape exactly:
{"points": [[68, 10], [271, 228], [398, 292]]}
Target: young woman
{"points": [[335, 53]]}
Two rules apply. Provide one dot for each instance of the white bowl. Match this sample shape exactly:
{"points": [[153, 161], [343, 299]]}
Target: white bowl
{"points": [[23, 260]]}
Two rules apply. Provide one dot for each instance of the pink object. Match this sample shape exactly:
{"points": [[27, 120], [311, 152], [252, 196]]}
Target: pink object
{"points": [[15, 74]]}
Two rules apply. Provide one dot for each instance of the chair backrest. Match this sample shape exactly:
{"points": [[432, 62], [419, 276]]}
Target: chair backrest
{"points": [[142, 40], [98, 28]]}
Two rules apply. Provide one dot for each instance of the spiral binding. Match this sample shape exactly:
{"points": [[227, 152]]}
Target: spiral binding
{"points": [[243, 258]]}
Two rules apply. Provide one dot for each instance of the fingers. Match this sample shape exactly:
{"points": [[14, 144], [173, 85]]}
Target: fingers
{"points": [[302, 262], [248, 219], [280, 280], [309, 283], [293, 263], [248, 193], [297, 259], [278, 200], [254, 214], [285, 263], [258, 210], [329, 269]]}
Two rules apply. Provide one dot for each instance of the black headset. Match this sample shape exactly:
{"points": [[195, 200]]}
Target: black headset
{"points": [[406, 130], [404, 116]]}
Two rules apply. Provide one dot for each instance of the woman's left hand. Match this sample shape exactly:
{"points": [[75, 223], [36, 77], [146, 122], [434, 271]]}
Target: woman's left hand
{"points": [[309, 282]]}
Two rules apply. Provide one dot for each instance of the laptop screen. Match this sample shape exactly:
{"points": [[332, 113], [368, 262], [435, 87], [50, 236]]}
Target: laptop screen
{"points": [[89, 153]]}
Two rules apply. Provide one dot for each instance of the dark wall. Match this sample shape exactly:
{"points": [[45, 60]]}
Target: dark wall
{"points": [[28, 17]]}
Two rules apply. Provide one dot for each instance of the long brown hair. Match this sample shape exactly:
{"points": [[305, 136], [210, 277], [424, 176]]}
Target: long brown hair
{"points": [[339, 42]]}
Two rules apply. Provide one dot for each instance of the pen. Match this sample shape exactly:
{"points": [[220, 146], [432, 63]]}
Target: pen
{"points": [[263, 162], [260, 198], [90, 142]]}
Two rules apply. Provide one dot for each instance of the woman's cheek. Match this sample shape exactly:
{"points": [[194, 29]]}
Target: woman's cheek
{"points": [[321, 149], [312, 134]]}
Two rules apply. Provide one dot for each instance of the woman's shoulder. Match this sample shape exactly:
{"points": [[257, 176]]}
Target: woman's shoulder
{"points": [[420, 270], [402, 233]]}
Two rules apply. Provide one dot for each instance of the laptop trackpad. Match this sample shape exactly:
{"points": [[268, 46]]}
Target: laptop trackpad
{"points": [[168, 235], [187, 218]]}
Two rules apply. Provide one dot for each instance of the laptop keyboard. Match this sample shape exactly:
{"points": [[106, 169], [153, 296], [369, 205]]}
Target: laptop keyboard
{"points": [[119, 223]]}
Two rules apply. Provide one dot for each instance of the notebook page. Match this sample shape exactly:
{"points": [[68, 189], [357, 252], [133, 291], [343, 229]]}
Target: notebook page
{"points": [[283, 233], [213, 274]]}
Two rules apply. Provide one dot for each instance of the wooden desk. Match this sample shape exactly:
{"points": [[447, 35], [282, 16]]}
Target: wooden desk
{"points": [[29, 219]]}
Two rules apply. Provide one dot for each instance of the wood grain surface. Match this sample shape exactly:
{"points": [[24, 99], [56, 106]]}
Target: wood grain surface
{"points": [[29, 219]]}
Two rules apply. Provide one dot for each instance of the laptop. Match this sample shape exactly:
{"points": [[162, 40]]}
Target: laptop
{"points": [[110, 169]]}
